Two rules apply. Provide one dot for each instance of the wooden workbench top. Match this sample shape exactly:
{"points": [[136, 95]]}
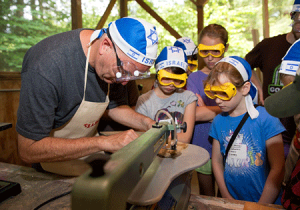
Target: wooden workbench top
{"points": [[39, 187]]}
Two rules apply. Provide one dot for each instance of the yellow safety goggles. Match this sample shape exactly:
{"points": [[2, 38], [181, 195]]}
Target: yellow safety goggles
{"points": [[166, 78], [224, 92], [192, 65], [215, 50]]}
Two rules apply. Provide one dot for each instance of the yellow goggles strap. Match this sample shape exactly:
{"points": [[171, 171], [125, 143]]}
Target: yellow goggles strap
{"points": [[224, 92], [166, 78], [215, 50], [192, 65]]}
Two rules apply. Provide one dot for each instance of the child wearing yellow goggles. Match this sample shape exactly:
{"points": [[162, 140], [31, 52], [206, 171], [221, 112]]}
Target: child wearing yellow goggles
{"points": [[190, 50], [168, 93], [224, 92], [256, 154], [207, 109], [214, 50]]}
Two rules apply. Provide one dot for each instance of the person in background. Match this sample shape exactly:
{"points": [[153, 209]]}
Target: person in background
{"points": [[68, 81], [287, 72], [190, 50], [213, 43], [171, 66], [267, 56], [253, 167], [285, 103], [290, 64]]}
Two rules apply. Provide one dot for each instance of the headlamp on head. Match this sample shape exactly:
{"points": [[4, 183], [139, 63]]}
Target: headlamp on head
{"points": [[215, 50], [166, 78], [224, 92]]}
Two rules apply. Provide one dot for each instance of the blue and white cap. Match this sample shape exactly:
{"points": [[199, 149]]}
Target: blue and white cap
{"points": [[137, 38], [291, 61], [246, 72], [296, 6], [187, 45], [171, 56]]}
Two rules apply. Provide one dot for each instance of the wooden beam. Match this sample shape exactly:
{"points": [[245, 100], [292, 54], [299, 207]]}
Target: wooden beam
{"points": [[76, 14], [200, 26], [158, 18], [266, 27], [123, 8], [106, 14], [193, 1]]}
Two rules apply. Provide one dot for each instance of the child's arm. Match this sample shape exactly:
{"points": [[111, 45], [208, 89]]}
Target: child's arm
{"points": [[218, 169], [276, 161], [189, 118], [207, 113]]}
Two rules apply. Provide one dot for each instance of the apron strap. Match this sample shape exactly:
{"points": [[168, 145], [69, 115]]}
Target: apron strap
{"points": [[86, 70]]}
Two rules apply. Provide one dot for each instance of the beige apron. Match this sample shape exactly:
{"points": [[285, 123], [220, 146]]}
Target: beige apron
{"points": [[83, 124]]}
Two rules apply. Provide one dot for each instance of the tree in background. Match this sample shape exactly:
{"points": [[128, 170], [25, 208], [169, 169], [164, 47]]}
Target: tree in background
{"points": [[23, 23]]}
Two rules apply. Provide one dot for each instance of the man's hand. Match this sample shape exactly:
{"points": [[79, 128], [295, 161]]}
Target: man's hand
{"points": [[118, 141]]}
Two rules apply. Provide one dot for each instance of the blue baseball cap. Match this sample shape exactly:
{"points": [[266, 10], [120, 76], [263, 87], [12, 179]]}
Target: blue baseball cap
{"points": [[171, 56]]}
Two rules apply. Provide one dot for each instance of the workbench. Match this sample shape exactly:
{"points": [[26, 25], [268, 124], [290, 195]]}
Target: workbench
{"points": [[39, 187]]}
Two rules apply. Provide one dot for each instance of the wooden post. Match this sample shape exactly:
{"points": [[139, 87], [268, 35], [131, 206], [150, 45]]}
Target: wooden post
{"points": [[123, 8], [200, 25], [266, 27], [76, 14], [158, 18], [255, 38], [106, 14]]}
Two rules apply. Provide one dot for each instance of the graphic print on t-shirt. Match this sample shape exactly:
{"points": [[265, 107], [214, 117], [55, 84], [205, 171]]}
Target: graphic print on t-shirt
{"points": [[240, 155], [276, 84], [177, 116]]}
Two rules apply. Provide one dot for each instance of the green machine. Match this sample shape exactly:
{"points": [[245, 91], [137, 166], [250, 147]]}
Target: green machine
{"points": [[136, 177]]}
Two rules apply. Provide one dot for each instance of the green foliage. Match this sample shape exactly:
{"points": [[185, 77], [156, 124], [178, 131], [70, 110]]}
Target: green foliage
{"points": [[23, 25], [18, 31]]}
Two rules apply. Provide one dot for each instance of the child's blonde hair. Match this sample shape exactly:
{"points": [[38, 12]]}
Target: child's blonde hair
{"points": [[227, 69]]}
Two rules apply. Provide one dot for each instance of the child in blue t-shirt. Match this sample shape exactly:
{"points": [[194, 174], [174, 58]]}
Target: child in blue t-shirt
{"points": [[254, 167]]}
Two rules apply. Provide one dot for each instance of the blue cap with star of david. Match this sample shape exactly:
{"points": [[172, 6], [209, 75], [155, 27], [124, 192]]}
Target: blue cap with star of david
{"points": [[171, 56], [291, 61], [187, 45], [137, 38], [296, 6]]}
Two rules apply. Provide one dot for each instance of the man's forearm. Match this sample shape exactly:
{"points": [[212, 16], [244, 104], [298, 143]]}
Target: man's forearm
{"points": [[52, 149], [127, 116]]}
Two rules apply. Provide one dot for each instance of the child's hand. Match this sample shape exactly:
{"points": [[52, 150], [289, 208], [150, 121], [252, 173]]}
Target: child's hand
{"points": [[200, 100]]}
